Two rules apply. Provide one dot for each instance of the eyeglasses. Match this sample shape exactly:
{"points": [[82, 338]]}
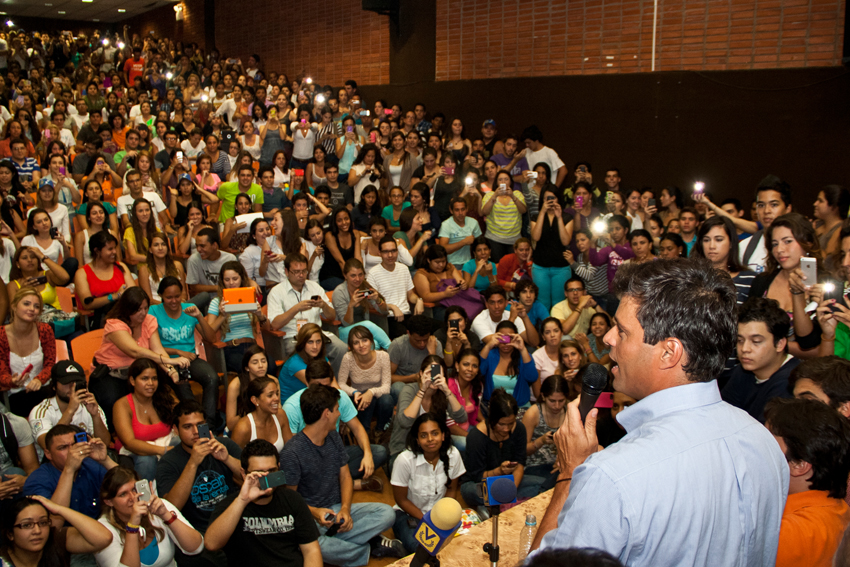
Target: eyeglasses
{"points": [[27, 526], [298, 272], [393, 251]]}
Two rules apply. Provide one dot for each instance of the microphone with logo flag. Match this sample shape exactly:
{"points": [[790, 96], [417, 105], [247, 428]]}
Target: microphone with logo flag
{"points": [[436, 530]]}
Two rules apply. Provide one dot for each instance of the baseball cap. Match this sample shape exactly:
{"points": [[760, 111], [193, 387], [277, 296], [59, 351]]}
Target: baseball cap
{"points": [[67, 371], [45, 181], [489, 122], [184, 176]]}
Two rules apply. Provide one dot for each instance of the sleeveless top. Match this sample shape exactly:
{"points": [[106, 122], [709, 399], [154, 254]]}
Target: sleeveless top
{"points": [[48, 295], [99, 287], [144, 431], [330, 268], [347, 157], [271, 144], [546, 455], [277, 444], [826, 236]]}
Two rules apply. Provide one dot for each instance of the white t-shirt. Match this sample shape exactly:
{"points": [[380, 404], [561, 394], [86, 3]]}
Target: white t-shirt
{"points": [[191, 151], [283, 297], [392, 285], [545, 365], [6, 259], [53, 251], [545, 155], [317, 263], [60, 220], [45, 415], [483, 326], [125, 203]]}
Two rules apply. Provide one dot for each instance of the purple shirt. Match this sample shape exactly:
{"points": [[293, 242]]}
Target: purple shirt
{"points": [[614, 257], [502, 160]]}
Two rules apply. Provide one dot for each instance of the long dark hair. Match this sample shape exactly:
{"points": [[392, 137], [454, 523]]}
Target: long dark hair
{"points": [[478, 381], [163, 403], [129, 302], [412, 441], [11, 509], [732, 263], [245, 378], [254, 389], [513, 367], [334, 228], [803, 232], [376, 207]]}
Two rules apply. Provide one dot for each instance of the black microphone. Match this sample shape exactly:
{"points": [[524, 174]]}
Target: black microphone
{"points": [[593, 381]]}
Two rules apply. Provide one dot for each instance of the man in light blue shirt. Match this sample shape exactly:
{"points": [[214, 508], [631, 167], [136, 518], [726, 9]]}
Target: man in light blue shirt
{"points": [[695, 481]]}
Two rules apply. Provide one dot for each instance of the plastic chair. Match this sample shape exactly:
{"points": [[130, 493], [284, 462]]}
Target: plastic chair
{"points": [[66, 300], [273, 342], [62, 350], [84, 348]]}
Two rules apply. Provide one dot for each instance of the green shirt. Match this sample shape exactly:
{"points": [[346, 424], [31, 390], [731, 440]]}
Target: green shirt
{"points": [[227, 192]]}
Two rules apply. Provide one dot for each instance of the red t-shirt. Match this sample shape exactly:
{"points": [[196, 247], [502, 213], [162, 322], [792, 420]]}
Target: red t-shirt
{"points": [[134, 69]]}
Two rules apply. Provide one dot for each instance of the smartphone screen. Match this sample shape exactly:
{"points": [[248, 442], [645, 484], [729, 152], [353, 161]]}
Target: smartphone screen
{"points": [[273, 480], [435, 371], [179, 156], [454, 324]]}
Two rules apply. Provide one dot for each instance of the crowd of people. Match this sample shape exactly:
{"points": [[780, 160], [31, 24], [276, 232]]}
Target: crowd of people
{"points": [[434, 292]]}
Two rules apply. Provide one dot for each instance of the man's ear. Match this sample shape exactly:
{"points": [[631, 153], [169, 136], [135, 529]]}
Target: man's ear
{"points": [[782, 344], [799, 468], [844, 409], [672, 353]]}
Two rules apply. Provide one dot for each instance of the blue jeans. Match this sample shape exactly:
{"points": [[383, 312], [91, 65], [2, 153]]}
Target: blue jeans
{"points": [[145, 465], [384, 406], [351, 548], [382, 340], [355, 457], [405, 533], [550, 282], [528, 488]]}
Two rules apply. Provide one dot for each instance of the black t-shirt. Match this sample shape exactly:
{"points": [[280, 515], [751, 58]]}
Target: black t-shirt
{"points": [[341, 196], [270, 534], [484, 454], [213, 481]]}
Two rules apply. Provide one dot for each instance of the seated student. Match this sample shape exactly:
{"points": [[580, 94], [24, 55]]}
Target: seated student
{"points": [[429, 394], [254, 365], [408, 351], [393, 281], [158, 264], [247, 525], [23, 343], [456, 339], [516, 266], [138, 235], [308, 459], [204, 266], [25, 519], [72, 404], [426, 471], [143, 533], [816, 442], [496, 300], [541, 421], [231, 239], [826, 379], [352, 301], [365, 376], [594, 344], [72, 472], [265, 418], [100, 283], [467, 386], [458, 234], [577, 309], [495, 447], [547, 357], [436, 274], [505, 363], [479, 271], [309, 346], [143, 418], [177, 322], [526, 294], [764, 362], [363, 458], [28, 265]]}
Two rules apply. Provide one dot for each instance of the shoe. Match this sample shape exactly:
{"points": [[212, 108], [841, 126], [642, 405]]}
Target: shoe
{"points": [[372, 484], [386, 547]]}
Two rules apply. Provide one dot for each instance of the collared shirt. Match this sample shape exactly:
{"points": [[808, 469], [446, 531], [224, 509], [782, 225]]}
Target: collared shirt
{"points": [[85, 490], [425, 483], [45, 415], [812, 526], [283, 298], [694, 482]]}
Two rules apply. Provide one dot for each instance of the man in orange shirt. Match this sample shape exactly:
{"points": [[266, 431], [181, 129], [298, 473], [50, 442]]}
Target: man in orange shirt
{"points": [[816, 442], [134, 67]]}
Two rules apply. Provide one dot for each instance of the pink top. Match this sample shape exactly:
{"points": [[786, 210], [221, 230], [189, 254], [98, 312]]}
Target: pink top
{"points": [[470, 406], [114, 357], [211, 188], [143, 431]]}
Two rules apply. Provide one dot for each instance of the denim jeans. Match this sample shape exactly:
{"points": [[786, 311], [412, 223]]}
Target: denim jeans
{"points": [[351, 548], [204, 374], [355, 457], [405, 533], [145, 465], [383, 405], [528, 488], [550, 282]]}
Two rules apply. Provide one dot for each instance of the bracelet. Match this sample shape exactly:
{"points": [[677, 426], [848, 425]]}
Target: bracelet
{"points": [[448, 351], [233, 342], [564, 480], [172, 519], [797, 292], [132, 529], [826, 339], [109, 297]]}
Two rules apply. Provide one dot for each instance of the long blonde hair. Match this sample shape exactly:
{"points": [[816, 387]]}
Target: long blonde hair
{"points": [[22, 293]]}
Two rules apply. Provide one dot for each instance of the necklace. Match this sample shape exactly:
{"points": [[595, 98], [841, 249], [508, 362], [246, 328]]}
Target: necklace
{"points": [[139, 405]]}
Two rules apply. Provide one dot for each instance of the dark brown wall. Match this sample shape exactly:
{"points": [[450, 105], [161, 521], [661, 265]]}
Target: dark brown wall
{"points": [[161, 21], [728, 129], [51, 25]]}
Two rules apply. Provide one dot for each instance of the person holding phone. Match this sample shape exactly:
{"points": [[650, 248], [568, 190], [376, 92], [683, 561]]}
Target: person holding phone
{"points": [[541, 421], [502, 209], [42, 234], [506, 363], [145, 529], [364, 172], [27, 272], [438, 274], [552, 231]]}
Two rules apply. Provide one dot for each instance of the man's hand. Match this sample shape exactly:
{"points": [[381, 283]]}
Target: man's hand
{"points": [[200, 450], [575, 441], [219, 451], [88, 400], [250, 490], [97, 449], [347, 523], [432, 345], [319, 515], [12, 486], [367, 466], [76, 453]]}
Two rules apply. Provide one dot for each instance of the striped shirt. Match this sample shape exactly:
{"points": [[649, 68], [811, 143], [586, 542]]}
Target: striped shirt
{"points": [[392, 285], [595, 278], [504, 221], [743, 281], [240, 326]]}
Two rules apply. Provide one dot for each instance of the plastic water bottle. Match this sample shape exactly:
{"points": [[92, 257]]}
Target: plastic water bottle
{"points": [[526, 536]]}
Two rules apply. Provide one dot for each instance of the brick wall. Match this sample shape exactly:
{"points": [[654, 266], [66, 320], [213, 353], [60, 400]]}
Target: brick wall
{"points": [[479, 39], [332, 41], [161, 21]]}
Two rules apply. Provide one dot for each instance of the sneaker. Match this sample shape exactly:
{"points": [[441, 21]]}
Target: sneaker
{"points": [[386, 547]]}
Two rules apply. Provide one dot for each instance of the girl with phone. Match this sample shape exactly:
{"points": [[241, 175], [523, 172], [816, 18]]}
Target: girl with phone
{"points": [[582, 211], [41, 234], [159, 264], [437, 273], [552, 231], [541, 421], [418, 483], [27, 272], [138, 234], [506, 363], [98, 171], [502, 209]]}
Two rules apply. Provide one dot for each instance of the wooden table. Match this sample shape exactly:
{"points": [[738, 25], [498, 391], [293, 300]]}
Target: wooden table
{"points": [[468, 550]]}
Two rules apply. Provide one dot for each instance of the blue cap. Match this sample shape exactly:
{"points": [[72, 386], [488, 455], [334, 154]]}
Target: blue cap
{"points": [[184, 176], [489, 122], [44, 181]]}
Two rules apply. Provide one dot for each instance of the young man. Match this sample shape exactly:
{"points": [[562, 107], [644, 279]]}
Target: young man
{"points": [[492, 145], [535, 152], [204, 267], [773, 199], [816, 442], [311, 460], [612, 179], [458, 232], [688, 224], [134, 67], [227, 192], [393, 281], [511, 160], [363, 458], [73, 404], [124, 204], [341, 193], [126, 158], [409, 350], [274, 199], [496, 300], [91, 130], [28, 169], [577, 309], [257, 526], [198, 474], [764, 363], [73, 471], [164, 158], [825, 379], [422, 125]]}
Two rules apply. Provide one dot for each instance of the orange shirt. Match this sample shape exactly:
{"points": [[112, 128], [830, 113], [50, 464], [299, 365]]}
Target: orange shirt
{"points": [[120, 136], [812, 527]]}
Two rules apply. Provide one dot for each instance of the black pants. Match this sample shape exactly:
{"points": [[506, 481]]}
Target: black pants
{"points": [[22, 402], [203, 373], [107, 389]]}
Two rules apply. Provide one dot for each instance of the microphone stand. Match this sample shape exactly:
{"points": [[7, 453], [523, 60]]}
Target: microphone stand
{"points": [[492, 549]]}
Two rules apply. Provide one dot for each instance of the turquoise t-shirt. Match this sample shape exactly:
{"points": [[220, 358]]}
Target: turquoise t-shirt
{"points": [[240, 324], [292, 407], [110, 210], [387, 213], [481, 282], [175, 333], [289, 384]]}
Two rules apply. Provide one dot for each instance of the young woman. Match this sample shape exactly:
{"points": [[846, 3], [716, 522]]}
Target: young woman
{"points": [[143, 533], [253, 258], [392, 212], [365, 376], [516, 266], [26, 270], [506, 363], [238, 330], [368, 207], [315, 174], [572, 359], [265, 418], [449, 184], [98, 171], [14, 198], [419, 483], [145, 117], [547, 358], [364, 171], [343, 244], [205, 178], [671, 246], [309, 346], [138, 234], [831, 209], [187, 193], [436, 272], [503, 209], [498, 447], [541, 421], [159, 264], [254, 365], [467, 385], [717, 240], [672, 202], [54, 247], [456, 141], [353, 299], [143, 418], [429, 171], [47, 201], [348, 147], [426, 215], [594, 346], [251, 142], [24, 342], [399, 164], [281, 170], [189, 231], [119, 128], [616, 251], [233, 240], [92, 191], [552, 232], [29, 540], [457, 334], [479, 272], [641, 242], [101, 281], [314, 241]]}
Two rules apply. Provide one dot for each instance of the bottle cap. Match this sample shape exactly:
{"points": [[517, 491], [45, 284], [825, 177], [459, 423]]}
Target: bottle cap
{"points": [[531, 520]]}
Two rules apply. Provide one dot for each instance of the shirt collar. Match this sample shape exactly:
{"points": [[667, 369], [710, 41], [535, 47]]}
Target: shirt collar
{"points": [[670, 400]]}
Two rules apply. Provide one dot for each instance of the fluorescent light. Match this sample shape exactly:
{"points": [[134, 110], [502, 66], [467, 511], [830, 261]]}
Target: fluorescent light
{"points": [[48, 4], [121, 10], [61, 11], [88, 1]]}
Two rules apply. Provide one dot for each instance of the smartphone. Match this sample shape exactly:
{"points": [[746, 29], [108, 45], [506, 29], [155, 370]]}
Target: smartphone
{"points": [[411, 523], [503, 188], [273, 113], [579, 202], [699, 187], [436, 369], [372, 137], [62, 170], [204, 431], [367, 292], [834, 290], [303, 121], [273, 480], [504, 339], [582, 168], [532, 175], [81, 437], [513, 463], [42, 279], [605, 400], [350, 129], [80, 387], [364, 113], [809, 267], [143, 489], [54, 232], [388, 111], [650, 202], [608, 196], [550, 198], [298, 172], [314, 298], [454, 324], [27, 369], [57, 80], [334, 528], [179, 156], [269, 253]]}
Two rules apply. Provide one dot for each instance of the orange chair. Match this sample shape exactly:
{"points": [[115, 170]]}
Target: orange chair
{"points": [[62, 350], [66, 300], [84, 348], [273, 342]]}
